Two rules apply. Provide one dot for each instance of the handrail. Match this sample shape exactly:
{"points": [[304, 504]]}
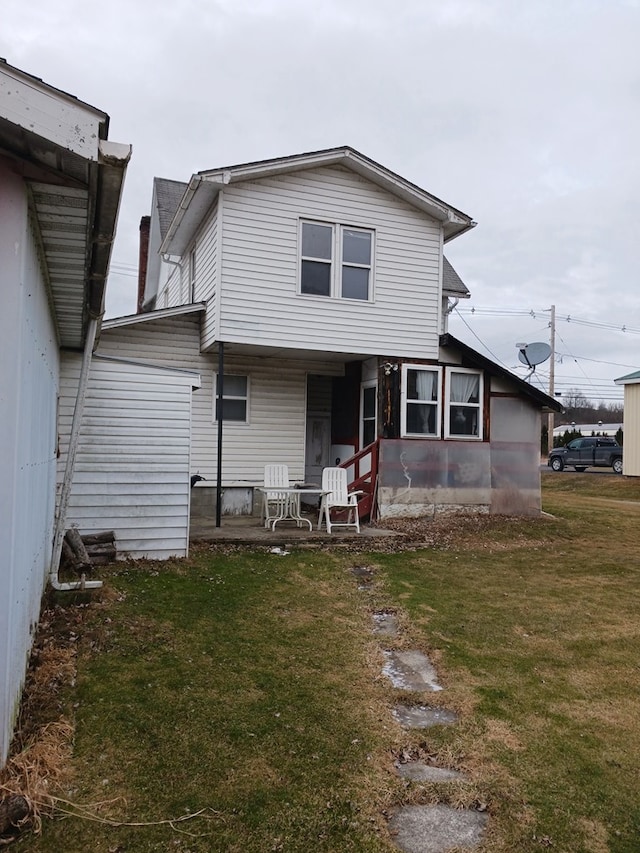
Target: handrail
{"points": [[364, 482]]}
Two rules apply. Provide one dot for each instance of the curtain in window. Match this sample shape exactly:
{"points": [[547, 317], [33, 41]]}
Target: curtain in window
{"points": [[465, 388], [425, 382]]}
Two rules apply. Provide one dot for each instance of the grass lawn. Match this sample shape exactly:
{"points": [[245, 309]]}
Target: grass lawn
{"points": [[249, 685]]}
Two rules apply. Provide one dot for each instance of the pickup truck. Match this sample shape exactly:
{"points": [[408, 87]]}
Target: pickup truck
{"points": [[581, 453]]}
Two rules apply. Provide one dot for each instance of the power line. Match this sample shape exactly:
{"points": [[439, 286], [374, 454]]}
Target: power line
{"points": [[566, 318]]}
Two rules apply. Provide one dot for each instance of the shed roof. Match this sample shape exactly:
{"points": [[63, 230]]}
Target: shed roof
{"points": [[476, 359], [452, 284], [629, 379]]}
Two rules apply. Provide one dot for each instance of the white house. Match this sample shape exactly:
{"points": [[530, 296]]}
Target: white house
{"points": [[316, 286], [60, 186]]}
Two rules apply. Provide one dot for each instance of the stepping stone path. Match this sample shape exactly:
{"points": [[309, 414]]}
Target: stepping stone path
{"points": [[434, 828], [420, 771]]}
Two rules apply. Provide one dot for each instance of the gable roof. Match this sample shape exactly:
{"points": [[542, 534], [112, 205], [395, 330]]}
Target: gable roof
{"points": [[204, 187], [452, 284], [168, 196], [474, 359]]}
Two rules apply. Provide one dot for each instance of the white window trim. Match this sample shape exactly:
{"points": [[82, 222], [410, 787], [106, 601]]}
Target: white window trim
{"points": [[229, 397], [433, 368], [479, 405], [336, 263], [370, 383]]}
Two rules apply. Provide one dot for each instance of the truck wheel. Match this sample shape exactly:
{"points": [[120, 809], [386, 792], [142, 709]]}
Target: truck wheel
{"points": [[617, 466], [580, 468], [557, 464]]}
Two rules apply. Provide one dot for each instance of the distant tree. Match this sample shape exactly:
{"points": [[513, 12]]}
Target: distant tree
{"points": [[565, 438], [620, 436]]}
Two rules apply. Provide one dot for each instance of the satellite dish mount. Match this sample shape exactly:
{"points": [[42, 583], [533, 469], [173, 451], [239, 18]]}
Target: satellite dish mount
{"points": [[533, 354]]}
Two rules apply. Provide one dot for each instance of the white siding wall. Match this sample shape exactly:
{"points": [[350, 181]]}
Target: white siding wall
{"points": [[29, 371], [259, 271], [207, 271], [132, 467], [277, 398], [631, 452]]}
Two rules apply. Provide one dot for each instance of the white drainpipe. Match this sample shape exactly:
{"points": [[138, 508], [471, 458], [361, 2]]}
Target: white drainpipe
{"points": [[65, 493]]}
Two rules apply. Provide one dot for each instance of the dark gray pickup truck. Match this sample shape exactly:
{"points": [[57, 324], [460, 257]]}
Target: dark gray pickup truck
{"points": [[593, 452]]}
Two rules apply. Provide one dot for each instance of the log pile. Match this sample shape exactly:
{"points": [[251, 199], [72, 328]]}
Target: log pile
{"points": [[82, 553]]}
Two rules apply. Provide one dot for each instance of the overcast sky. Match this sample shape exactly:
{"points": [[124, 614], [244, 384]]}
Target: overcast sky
{"points": [[525, 115]]}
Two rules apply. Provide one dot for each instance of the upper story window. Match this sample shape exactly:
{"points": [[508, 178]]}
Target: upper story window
{"points": [[336, 260], [463, 412], [235, 399], [420, 413]]}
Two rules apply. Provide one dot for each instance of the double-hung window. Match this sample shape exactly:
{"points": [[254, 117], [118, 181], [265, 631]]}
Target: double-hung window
{"points": [[336, 260], [235, 400], [420, 413], [463, 412]]}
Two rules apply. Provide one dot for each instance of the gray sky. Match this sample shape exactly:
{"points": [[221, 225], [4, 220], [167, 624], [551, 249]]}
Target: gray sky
{"points": [[525, 115]]}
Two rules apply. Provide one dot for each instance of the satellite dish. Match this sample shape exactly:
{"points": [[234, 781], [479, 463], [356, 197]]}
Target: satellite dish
{"points": [[532, 354]]}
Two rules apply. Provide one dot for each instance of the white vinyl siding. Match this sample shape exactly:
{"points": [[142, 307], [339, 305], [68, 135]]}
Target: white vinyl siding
{"points": [[29, 375], [261, 301], [132, 466]]}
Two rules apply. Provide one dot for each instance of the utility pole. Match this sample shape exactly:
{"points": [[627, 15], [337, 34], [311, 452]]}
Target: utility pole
{"points": [[552, 369]]}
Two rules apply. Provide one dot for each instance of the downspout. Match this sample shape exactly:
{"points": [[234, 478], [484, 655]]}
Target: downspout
{"points": [[220, 390], [65, 493]]}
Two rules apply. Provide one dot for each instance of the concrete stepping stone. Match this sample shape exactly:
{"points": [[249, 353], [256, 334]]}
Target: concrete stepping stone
{"points": [[436, 829], [420, 771], [385, 624], [422, 716], [410, 670]]}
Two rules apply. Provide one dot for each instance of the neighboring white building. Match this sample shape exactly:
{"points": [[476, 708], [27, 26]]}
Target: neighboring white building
{"points": [[631, 455], [320, 281], [598, 428], [60, 186]]}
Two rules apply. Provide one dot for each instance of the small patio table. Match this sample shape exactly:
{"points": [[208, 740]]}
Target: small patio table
{"points": [[290, 506]]}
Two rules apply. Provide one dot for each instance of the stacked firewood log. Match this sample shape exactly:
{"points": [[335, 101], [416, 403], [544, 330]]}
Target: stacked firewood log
{"points": [[82, 553]]}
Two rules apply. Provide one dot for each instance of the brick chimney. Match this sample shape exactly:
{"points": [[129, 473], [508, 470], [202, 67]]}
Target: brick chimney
{"points": [[145, 227]]}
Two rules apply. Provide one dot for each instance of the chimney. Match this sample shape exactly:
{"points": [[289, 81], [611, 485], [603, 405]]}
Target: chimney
{"points": [[145, 227]]}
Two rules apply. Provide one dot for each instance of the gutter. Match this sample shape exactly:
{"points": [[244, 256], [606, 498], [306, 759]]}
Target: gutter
{"points": [[113, 158]]}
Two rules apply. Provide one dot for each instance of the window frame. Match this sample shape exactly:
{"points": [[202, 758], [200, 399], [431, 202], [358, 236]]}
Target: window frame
{"points": [[405, 402], [226, 396], [368, 385], [337, 263], [452, 371]]}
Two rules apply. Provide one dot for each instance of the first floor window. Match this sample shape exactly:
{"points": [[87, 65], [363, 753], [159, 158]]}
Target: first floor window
{"points": [[235, 401], [464, 403], [420, 400]]}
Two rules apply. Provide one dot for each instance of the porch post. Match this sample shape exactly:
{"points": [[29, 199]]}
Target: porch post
{"points": [[219, 407]]}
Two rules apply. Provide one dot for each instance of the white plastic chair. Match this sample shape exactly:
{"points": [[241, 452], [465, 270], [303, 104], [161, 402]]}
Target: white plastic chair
{"points": [[274, 503], [334, 482]]}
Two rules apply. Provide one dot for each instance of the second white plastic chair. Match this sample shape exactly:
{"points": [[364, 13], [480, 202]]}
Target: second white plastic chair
{"points": [[334, 482]]}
